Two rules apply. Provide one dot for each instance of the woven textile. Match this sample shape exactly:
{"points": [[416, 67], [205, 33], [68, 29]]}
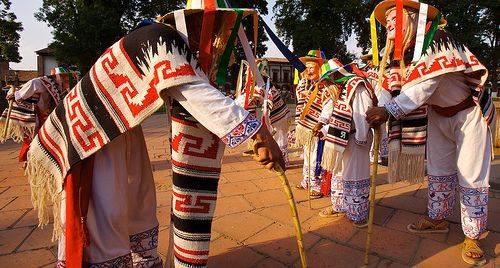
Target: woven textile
{"points": [[196, 163], [303, 129], [340, 125], [408, 132], [121, 90], [22, 121]]}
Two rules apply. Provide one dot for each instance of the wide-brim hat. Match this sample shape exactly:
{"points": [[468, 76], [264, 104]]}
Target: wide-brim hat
{"points": [[385, 5], [314, 56]]}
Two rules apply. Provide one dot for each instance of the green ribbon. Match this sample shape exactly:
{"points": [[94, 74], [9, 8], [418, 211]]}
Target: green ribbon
{"points": [[432, 31], [224, 62], [221, 4]]}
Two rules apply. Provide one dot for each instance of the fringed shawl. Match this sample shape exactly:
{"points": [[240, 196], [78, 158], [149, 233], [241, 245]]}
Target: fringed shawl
{"points": [[407, 137], [121, 90], [340, 125]]}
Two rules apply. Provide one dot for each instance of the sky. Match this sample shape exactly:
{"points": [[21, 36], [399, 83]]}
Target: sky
{"points": [[37, 35]]}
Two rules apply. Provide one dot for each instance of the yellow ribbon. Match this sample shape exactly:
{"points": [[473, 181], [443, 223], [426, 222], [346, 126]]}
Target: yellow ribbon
{"points": [[310, 101], [373, 33]]}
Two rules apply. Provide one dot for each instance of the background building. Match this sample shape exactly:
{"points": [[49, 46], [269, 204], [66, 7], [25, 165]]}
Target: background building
{"points": [[281, 73]]}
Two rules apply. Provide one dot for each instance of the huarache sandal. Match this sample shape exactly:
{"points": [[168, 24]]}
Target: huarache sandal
{"points": [[330, 213], [426, 226], [299, 187], [361, 224], [315, 194], [248, 153], [472, 253]]}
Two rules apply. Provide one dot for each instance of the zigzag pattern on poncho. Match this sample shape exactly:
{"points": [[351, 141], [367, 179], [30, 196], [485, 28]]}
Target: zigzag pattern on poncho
{"points": [[121, 90]]}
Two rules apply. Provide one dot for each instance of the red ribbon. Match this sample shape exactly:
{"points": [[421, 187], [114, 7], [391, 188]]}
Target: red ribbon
{"points": [[398, 48], [207, 28]]}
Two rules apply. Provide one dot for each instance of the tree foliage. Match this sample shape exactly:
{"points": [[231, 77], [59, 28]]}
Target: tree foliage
{"points": [[312, 24], [9, 33], [83, 29]]}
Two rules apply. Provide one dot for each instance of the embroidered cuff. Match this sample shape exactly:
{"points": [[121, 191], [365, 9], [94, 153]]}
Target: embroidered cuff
{"points": [[393, 108], [242, 132]]}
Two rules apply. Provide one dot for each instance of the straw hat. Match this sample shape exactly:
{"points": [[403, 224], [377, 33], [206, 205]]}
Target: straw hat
{"points": [[385, 5], [314, 56]]}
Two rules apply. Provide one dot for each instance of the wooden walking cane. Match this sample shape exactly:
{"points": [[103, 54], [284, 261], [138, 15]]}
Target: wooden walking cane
{"points": [[7, 119], [295, 216], [373, 177], [309, 171]]}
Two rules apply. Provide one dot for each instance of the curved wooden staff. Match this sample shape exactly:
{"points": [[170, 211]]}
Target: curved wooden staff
{"points": [[373, 177], [295, 216], [7, 119]]}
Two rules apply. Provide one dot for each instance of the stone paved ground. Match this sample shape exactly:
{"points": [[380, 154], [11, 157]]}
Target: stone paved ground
{"points": [[252, 227]]}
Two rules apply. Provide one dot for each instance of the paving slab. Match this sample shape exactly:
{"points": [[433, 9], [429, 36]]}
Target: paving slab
{"points": [[252, 225]]}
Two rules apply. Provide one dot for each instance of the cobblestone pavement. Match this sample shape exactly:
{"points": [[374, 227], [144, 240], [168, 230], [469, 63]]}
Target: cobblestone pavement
{"points": [[252, 227]]}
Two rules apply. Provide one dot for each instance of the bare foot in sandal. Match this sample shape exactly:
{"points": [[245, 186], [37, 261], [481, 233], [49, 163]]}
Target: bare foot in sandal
{"points": [[427, 225], [329, 212], [472, 252]]}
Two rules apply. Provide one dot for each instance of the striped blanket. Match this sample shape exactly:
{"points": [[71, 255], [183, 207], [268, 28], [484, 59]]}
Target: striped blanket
{"points": [[407, 137], [340, 126], [121, 90], [303, 128], [22, 121]]}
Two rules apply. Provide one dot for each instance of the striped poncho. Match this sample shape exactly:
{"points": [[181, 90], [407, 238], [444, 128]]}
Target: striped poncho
{"points": [[407, 137], [303, 128]]}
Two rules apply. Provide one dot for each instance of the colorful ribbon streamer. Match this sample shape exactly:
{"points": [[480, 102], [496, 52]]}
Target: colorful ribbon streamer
{"points": [[419, 43], [294, 60], [373, 35], [224, 62], [398, 42], [430, 35]]}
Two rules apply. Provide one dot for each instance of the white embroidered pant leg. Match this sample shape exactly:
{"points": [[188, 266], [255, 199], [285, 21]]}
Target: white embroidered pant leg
{"points": [[308, 173], [121, 220], [337, 192], [459, 154], [281, 138], [356, 179]]}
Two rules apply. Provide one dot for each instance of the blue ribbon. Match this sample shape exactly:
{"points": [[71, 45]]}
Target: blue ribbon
{"points": [[294, 60]]}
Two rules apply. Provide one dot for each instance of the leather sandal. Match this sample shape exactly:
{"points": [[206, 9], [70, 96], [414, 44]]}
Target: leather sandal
{"points": [[330, 213], [471, 246], [426, 226]]}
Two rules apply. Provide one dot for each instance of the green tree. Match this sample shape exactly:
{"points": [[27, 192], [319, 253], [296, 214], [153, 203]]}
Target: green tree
{"points": [[83, 29], [9, 33], [309, 24]]}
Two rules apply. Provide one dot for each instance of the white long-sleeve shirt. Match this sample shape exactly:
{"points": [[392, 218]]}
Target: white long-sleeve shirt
{"points": [[35, 87], [445, 90], [218, 113]]}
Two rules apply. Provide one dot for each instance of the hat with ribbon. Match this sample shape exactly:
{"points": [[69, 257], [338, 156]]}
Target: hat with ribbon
{"points": [[314, 56], [423, 36], [211, 27]]}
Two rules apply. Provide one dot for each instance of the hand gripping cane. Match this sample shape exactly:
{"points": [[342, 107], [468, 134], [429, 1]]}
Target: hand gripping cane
{"points": [[7, 119], [373, 176]]}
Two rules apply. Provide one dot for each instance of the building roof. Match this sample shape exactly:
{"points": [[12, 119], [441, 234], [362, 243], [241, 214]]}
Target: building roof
{"points": [[281, 60], [45, 51], [23, 75]]}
